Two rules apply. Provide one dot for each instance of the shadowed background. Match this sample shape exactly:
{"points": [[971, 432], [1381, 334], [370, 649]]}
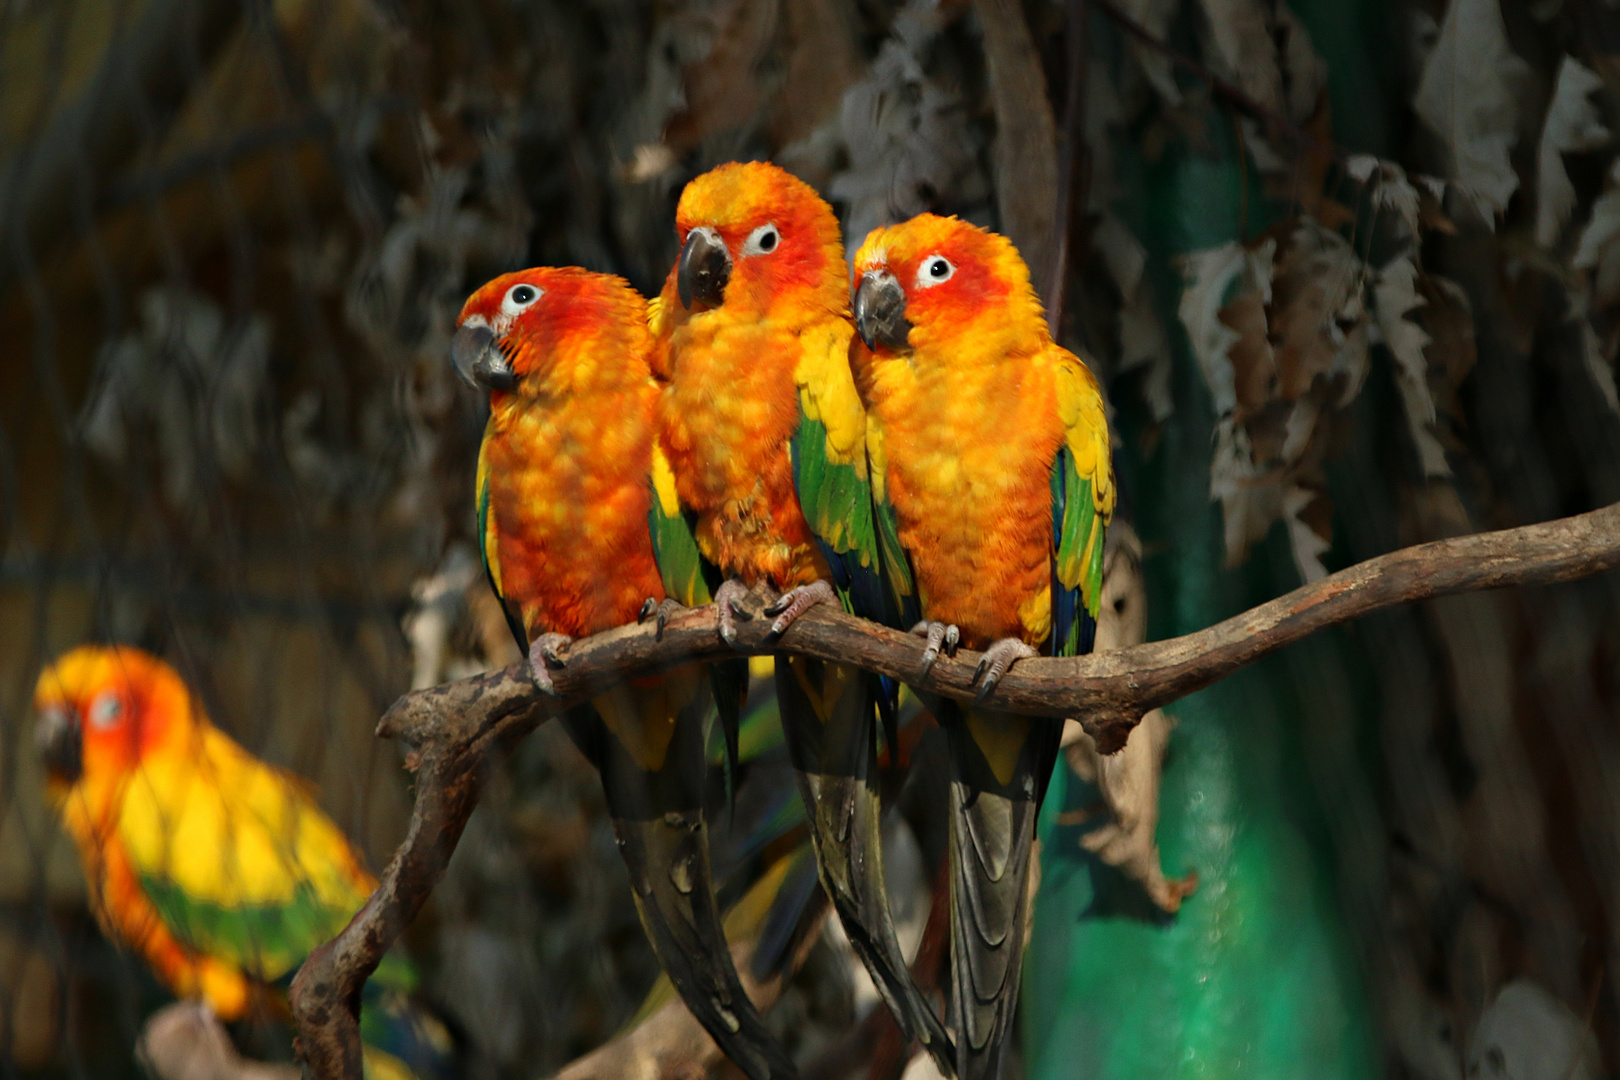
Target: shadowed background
{"points": [[1350, 272]]}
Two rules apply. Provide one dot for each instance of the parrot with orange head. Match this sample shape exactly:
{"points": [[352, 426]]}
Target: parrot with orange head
{"points": [[573, 534], [218, 869], [764, 438], [992, 480]]}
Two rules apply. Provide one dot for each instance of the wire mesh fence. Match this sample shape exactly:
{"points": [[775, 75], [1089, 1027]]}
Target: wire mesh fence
{"points": [[234, 235]]}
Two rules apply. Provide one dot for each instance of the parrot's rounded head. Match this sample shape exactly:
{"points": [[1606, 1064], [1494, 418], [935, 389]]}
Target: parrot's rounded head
{"points": [[553, 330], [101, 709], [939, 278], [755, 237]]}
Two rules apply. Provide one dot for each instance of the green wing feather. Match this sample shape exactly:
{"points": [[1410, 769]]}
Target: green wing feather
{"points": [[1080, 508], [687, 575], [837, 504], [899, 583], [268, 941]]}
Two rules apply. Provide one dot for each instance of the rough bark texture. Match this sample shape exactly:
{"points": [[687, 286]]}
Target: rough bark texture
{"points": [[452, 729]]}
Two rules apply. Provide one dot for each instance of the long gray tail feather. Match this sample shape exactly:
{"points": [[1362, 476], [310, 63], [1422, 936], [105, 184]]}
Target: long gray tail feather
{"points": [[658, 821], [992, 834], [836, 763]]}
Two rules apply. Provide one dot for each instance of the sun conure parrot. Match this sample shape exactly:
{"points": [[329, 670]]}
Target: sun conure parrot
{"points": [[991, 476], [764, 437], [218, 869], [569, 524]]}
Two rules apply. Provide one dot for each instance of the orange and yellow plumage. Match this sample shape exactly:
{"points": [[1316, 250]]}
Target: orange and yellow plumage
{"points": [[576, 539], [765, 438], [990, 470], [565, 487], [968, 424], [733, 375], [220, 870]]}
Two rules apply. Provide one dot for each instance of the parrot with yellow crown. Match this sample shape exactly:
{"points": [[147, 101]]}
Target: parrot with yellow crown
{"points": [[572, 539], [763, 436], [218, 869], [992, 482]]}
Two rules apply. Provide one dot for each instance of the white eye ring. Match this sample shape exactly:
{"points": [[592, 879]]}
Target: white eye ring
{"points": [[763, 240], [519, 297], [106, 710], [935, 270]]}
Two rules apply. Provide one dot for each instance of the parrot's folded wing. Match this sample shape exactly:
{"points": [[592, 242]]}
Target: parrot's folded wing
{"points": [[489, 551]]}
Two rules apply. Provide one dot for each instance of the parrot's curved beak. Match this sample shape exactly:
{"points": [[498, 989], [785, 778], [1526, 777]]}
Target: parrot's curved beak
{"points": [[880, 311], [704, 269], [60, 745], [479, 361]]}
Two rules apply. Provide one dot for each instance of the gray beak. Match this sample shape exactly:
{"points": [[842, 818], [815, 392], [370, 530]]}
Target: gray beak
{"points": [[704, 269], [880, 311], [60, 746], [479, 361]]}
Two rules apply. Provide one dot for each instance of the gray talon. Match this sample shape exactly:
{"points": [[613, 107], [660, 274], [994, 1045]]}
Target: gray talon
{"points": [[940, 637], [998, 658], [796, 601], [726, 599], [666, 609], [544, 655]]}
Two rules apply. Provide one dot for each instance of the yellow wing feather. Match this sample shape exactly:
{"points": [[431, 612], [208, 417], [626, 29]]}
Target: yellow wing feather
{"points": [[229, 830], [1085, 424], [827, 393]]}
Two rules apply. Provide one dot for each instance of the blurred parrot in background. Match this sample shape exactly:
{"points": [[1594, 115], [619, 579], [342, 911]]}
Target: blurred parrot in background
{"points": [[219, 870], [992, 479], [570, 532], [764, 436]]}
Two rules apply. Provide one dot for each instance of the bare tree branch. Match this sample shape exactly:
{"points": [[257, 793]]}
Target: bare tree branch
{"points": [[453, 729]]}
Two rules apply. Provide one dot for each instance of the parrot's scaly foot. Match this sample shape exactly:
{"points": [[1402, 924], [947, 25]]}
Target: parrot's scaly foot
{"points": [[1000, 656], [727, 604], [798, 600], [940, 636], [544, 655], [665, 609]]}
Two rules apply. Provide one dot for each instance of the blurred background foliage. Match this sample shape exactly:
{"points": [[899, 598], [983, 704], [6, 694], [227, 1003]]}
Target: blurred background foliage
{"points": [[1350, 271]]}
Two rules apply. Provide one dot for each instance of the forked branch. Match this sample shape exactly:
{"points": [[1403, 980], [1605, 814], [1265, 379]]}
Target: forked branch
{"points": [[452, 729]]}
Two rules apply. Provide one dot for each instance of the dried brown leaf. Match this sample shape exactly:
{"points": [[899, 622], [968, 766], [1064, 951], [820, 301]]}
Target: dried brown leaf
{"points": [[723, 88], [1318, 316], [1304, 183], [1449, 319], [1572, 123], [1597, 253], [1289, 341], [1243, 50], [1469, 96], [1129, 779], [1212, 275], [1396, 297], [1254, 368], [1142, 342]]}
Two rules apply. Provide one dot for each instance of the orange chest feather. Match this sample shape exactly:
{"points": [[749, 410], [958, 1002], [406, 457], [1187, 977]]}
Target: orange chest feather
{"points": [[569, 490], [726, 420], [968, 464]]}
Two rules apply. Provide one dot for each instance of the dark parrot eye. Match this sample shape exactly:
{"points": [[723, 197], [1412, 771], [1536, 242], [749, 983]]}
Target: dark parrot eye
{"points": [[762, 241], [519, 297], [935, 269]]}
